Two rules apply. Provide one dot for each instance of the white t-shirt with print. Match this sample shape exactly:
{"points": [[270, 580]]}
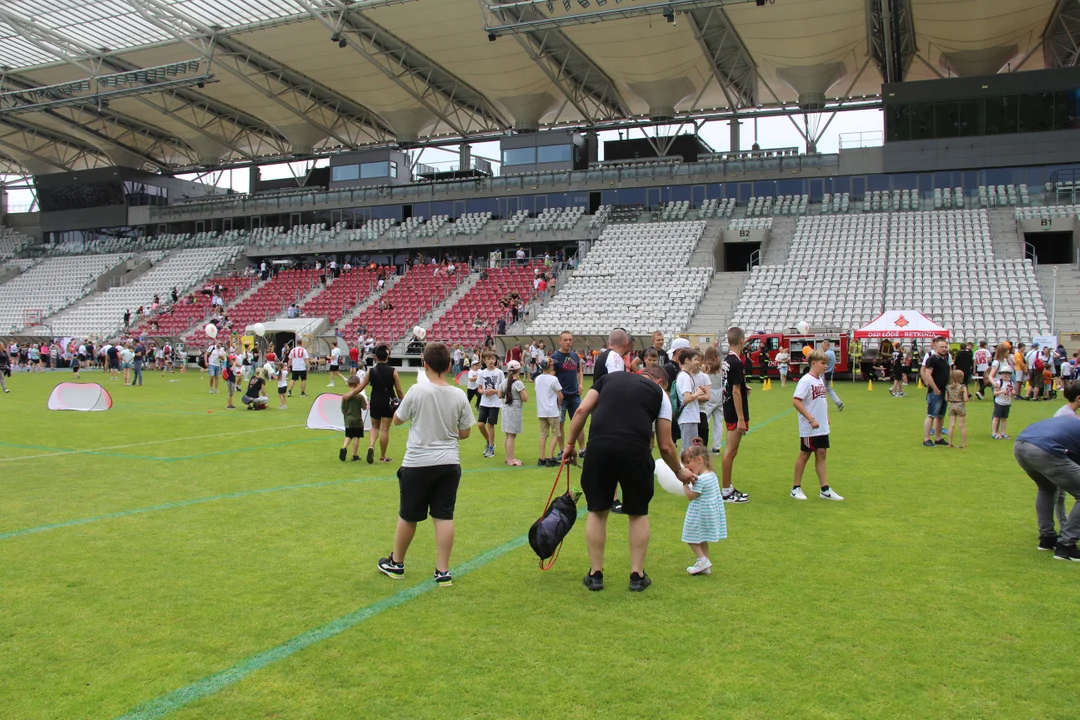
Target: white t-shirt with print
{"points": [[547, 396], [493, 379], [811, 390], [298, 356]]}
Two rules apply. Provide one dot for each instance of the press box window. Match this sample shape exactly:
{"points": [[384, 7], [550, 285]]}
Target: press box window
{"points": [[520, 156], [340, 173]]}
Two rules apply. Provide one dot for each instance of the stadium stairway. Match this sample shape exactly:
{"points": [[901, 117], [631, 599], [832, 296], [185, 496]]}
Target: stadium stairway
{"points": [[1005, 237], [776, 248], [346, 320], [439, 310], [1067, 313], [718, 304]]}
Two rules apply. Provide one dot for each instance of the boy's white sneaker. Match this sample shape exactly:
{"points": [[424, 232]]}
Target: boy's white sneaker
{"points": [[798, 494], [701, 567], [829, 494]]}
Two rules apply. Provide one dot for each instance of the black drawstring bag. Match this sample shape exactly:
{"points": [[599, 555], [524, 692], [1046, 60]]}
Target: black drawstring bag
{"points": [[547, 534]]}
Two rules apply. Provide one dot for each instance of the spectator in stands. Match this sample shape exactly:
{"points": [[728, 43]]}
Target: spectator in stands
{"points": [[520, 255], [293, 311], [176, 294], [264, 271], [127, 319], [500, 326]]}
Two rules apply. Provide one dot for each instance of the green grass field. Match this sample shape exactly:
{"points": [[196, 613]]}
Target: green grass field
{"points": [[157, 560]]}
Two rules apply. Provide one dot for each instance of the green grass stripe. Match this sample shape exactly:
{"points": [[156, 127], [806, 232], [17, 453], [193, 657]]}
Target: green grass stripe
{"points": [[213, 684]]}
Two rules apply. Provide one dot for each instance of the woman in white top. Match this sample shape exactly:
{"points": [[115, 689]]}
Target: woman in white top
{"points": [[714, 406], [782, 360]]}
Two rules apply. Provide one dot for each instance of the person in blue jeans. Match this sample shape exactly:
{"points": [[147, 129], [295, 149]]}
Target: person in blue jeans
{"points": [[935, 375], [568, 369], [1049, 452]]}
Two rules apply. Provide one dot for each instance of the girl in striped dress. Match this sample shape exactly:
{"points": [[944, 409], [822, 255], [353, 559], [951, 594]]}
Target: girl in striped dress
{"points": [[705, 519]]}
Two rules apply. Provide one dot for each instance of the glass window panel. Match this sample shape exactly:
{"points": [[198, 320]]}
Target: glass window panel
{"points": [[1001, 115], [553, 154], [922, 121], [374, 170], [946, 119], [971, 118], [519, 156], [1036, 112], [898, 123], [340, 173]]}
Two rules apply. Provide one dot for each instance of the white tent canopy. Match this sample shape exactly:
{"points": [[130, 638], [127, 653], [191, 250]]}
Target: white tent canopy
{"points": [[903, 325]]}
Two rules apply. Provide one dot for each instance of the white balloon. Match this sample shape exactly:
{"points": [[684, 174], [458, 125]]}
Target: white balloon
{"points": [[419, 333], [211, 330], [667, 479], [259, 329], [803, 327], [421, 377]]}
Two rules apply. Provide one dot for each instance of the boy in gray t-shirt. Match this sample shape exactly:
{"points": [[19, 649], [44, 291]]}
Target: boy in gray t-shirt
{"points": [[440, 417]]}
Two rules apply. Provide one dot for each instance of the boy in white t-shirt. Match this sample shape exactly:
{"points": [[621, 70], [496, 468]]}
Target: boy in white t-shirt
{"points": [[491, 382], [811, 401], [548, 399], [690, 391], [1004, 390], [474, 379], [335, 365]]}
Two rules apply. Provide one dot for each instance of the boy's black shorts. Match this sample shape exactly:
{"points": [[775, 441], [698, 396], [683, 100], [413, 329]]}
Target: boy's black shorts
{"points": [[810, 444], [488, 415], [428, 489], [354, 432], [606, 467]]}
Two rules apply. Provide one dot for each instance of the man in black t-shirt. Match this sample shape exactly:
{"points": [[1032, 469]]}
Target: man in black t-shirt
{"points": [[736, 411], [935, 375], [626, 409]]}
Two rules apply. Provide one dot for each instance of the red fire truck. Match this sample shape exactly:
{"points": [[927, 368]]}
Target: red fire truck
{"points": [[770, 344]]}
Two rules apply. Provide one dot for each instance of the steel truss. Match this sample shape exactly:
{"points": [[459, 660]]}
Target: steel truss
{"points": [[890, 29], [1061, 41]]}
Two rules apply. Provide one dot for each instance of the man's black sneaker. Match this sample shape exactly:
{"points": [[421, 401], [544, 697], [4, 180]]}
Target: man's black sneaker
{"points": [[542, 462], [1048, 542], [594, 581], [735, 497], [554, 462], [356, 458], [370, 455], [303, 394], [1067, 552], [616, 507], [342, 454], [581, 454], [443, 579], [941, 441], [639, 582], [393, 570]]}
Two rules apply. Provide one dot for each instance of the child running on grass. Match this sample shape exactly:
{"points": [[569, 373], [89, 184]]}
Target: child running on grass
{"points": [[706, 520], [1003, 397], [353, 404], [810, 401], [956, 395]]}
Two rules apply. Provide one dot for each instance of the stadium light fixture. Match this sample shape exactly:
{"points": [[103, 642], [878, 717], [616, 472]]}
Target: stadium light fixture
{"points": [[566, 4], [583, 3], [551, 6]]}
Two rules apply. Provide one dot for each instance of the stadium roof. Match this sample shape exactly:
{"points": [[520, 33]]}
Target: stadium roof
{"points": [[182, 84]]}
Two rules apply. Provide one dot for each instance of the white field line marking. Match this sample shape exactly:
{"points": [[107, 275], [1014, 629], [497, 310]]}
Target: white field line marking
{"points": [[150, 442]]}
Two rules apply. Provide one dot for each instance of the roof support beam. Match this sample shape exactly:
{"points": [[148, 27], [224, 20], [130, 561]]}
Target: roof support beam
{"points": [[588, 88], [890, 29], [1061, 41], [321, 108], [153, 145], [458, 104], [729, 61], [47, 147]]}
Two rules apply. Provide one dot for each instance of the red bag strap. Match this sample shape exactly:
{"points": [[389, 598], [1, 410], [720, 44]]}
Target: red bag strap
{"points": [[555, 556]]}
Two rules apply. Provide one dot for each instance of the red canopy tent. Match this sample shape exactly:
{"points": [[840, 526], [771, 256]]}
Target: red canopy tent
{"points": [[902, 325]]}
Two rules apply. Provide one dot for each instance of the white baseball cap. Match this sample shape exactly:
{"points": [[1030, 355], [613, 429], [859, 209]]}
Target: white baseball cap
{"points": [[679, 343], [513, 365]]}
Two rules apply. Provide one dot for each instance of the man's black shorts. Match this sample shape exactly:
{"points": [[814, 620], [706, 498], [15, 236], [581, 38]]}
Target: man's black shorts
{"points": [[299, 374], [354, 432], [432, 488], [606, 467], [810, 444]]}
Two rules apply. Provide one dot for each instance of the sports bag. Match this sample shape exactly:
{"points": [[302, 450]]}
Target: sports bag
{"points": [[548, 532]]}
